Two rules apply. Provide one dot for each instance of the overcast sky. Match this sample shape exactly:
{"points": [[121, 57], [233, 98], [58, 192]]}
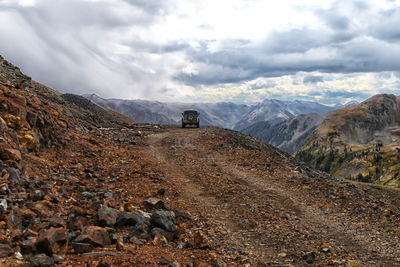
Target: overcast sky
{"points": [[207, 50]]}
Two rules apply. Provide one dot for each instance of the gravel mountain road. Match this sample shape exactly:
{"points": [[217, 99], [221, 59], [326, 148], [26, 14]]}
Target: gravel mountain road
{"points": [[270, 210]]}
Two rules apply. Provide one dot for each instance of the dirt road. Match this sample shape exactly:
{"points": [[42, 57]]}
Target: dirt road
{"points": [[263, 207]]}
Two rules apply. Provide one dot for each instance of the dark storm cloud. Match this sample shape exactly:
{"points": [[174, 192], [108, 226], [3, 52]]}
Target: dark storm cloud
{"points": [[388, 27]]}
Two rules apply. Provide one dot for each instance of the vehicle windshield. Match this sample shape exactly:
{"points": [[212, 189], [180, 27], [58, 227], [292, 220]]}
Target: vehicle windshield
{"points": [[187, 112]]}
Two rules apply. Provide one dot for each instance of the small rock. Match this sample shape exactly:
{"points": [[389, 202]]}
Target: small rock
{"points": [[28, 246], [159, 240], [37, 195], [43, 208], [58, 258], [163, 219], [3, 205], [97, 236], [5, 250], [154, 203], [146, 215], [174, 264], [52, 241], [58, 222], [201, 240], [109, 194], [87, 194], [15, 219], [81, 248], [103, 263], [18, 256], [120, 246], [15, 178], [164, 261], [219, 263], [309, 257], [41, 260], [11, 154], [161, 232], [107, 216], [326, 250]]}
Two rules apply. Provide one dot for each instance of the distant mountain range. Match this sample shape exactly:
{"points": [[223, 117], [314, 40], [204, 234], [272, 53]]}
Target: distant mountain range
{"points": [[222, 114], [287, 135]]}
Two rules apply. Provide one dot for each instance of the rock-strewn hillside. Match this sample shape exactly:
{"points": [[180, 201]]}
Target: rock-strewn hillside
{"points": [[288, 135], [75, 187], [360, 142]]}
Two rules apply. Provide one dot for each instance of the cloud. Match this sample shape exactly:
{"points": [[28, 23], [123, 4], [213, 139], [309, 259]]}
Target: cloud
{"points": [[313, 79], [184, 50]]}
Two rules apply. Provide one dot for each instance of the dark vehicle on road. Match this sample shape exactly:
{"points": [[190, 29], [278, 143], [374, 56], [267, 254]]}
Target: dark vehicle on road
{"points": [[190, 117]]}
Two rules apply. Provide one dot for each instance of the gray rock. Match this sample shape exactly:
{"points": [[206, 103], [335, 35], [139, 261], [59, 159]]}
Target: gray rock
{"points": [[37, 195], [154, 203], [107, 216], [219, 263], [130, 219], [3, 205], [163, 219], [309, 257], [87, 194]]}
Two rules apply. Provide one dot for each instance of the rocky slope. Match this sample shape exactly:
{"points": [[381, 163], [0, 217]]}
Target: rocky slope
{"points": [[225, 115], [64, 168], [288, 135], [360, 142]]}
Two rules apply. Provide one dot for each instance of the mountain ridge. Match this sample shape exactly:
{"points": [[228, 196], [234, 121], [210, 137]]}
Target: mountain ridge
{"points": [[359, 142], [223, 114]]}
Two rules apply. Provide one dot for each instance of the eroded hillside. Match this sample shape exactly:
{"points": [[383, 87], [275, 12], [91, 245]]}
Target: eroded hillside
{"points": [[361, 142]]}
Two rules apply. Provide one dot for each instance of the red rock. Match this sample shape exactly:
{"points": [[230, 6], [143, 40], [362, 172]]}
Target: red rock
{"points": [[28, 246], [43, 208], [81, 248], [120, 246], [77, 224], [10, 154], [201, 240], [97, 236], [154, 203], [52, 241], [58, 222]]}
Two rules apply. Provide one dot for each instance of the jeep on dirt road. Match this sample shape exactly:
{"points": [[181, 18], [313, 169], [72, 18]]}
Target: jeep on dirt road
{"points": [[190, 117]]}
